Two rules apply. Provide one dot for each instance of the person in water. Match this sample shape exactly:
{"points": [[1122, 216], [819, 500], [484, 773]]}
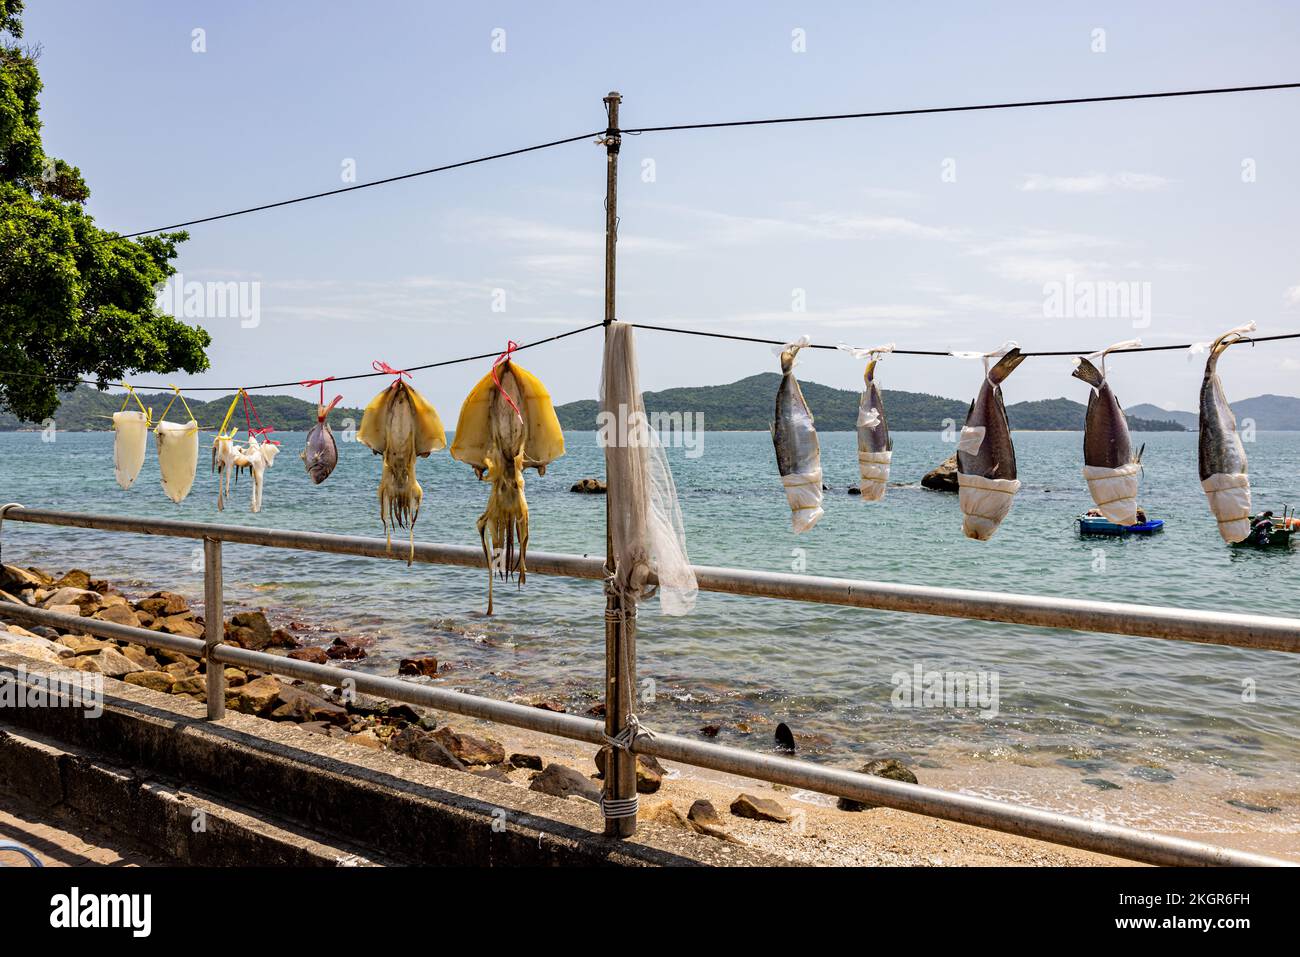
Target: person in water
{"points": [[1262, 530]]}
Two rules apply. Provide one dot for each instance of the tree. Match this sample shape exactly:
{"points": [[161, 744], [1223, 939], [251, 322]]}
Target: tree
{"points": [[76, 301]]}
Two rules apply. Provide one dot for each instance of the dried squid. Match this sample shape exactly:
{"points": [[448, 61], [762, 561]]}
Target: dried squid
{"points": [[400, 425], [507, 424]]}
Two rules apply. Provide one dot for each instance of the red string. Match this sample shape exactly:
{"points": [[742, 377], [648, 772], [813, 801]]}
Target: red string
{"points": [[261, 429], [380, 366], [511, 346], [323, 408]]}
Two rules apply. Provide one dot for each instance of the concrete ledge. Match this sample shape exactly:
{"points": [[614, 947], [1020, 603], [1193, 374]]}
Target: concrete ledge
{"points": [[123, 765]]}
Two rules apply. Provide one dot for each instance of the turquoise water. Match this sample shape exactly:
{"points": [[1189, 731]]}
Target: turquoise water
{"points": [[1104, 704]]}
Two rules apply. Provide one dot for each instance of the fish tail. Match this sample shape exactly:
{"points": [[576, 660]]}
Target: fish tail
{"points": [[871, 369], [1085, 370], [787, 358], [1006, 365]]}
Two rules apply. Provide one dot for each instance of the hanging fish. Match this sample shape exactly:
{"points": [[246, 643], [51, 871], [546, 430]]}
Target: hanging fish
{"points": [[507, 424], [875, 448], [321, 453], [224, 455], [1110, 466], [255, 458], [131, 434], [400, 425], [986, 459], [1221, 454], [178, 457], [798, 453]]}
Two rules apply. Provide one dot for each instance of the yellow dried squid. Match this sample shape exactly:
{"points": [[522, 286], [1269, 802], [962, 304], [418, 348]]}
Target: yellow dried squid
{"points": [[507, 424], [400, 425]]}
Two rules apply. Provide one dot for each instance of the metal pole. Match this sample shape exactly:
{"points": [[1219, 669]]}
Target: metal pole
{"points": [[213, 628], [620, 626]]}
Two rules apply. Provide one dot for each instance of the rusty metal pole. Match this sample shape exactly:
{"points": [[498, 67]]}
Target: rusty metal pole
{"points": [[620, 625], [213, 627]]}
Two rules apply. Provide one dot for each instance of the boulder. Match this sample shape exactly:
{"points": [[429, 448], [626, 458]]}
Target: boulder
{"points": [[428, 667], [347, 649], [710, 730], [559, 781], [235, 678], [494, 774], [182, 669], [295, 704], [75, 578], [113, 663], [589, 486], [423, 746], [87, 601], [882, 768], [164, 604], [943, 478], [531, 761], [119, 614], [13, 578], [854, 490], [367, 739], [181, 625], [316, 656], [154, 680], [22, 636], [703, 812], [784, 737], [74, 610], [649, 772], [759, 809], [470, 749], [549, 704], [29, 650], [85, 644], [195, 686], [259, 697], [141, 657]]}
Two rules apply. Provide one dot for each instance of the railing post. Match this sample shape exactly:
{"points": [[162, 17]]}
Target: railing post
{"points": [[213, 627], [620, 625]]}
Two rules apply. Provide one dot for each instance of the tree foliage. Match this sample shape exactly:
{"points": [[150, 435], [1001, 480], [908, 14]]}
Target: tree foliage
{"points": [[75, 302]]}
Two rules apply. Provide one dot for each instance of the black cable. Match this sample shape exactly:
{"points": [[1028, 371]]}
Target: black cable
{"points": [[927, 352], [963, 109], [349, 189], [298, 382]]}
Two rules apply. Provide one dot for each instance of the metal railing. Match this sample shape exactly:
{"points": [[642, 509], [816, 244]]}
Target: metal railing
{"points": [[1245, 631]]}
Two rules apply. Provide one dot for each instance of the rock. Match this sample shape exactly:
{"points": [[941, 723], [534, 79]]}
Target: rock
{"points": [[141, 657], [13, 578], [87, 601], [550, 705], [180, 625], [172, 604], [75, 578], [531, 761], [423, 746], [295, 704], [251, 630], [74, 610], [346, 649], [589, 486], [597, 710], [649, 772], [195, 685], [703, 812], [784, 737], [854, 490], [235, 678], [559, 781], [367, 739], [282, 639], [154, 680], [428, 667], [881, 768], [943, 478], [18, 634], [710, 730], [119, 614], [759, 809], [114, 664], [181, 669], [259, 697], [85, 644], [494, 774], [1101, 784], [316, 656], [470, 749], [35, 652]]}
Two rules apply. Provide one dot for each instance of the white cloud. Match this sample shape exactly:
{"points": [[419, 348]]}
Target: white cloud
{"points": [[1094, 183]]}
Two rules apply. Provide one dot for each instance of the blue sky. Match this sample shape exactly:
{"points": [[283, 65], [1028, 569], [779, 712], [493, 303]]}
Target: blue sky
{"points": [[857, 215]]}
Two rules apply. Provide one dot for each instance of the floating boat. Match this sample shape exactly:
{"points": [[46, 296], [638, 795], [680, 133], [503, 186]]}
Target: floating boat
{"points": [[1100, 525], [1283, 529]]}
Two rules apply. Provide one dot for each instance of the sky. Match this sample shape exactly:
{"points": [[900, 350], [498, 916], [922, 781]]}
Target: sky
{"points": [[1176, 219]]}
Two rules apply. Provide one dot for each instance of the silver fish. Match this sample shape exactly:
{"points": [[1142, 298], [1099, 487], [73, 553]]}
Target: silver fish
{"points": [[798, 453], [873, 430], [996, 456], [1221, 451], [1106, 442], [321, 453]]}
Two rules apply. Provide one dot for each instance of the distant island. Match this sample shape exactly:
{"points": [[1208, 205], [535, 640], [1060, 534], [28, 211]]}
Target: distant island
{"points": [[746, 406], [86, 409]]}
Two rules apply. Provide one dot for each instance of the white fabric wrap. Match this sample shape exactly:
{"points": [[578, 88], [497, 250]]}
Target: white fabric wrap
{"points": [[178, 457], [972, 437], [874, 469], [1114, 491], [804, 493], [1229, 497], [129, 439], [984, 504]]}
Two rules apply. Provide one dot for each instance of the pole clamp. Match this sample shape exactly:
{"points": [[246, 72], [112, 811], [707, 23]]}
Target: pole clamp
{"points": [[624, 740]]}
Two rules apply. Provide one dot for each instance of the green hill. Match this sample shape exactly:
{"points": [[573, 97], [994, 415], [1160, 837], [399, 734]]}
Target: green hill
{"points": [[1271, 413], [88, 410], [747, 406]]}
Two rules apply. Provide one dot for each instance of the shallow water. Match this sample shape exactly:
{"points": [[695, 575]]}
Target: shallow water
{"points": [[1141, 711]]}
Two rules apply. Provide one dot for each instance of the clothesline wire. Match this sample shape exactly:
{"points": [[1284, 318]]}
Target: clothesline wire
{"points": [[298, 382], [932, 352], [635, 131]]}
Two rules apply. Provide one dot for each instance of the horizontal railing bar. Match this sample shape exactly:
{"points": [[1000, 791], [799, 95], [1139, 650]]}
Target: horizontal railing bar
{"points": [[1258, 632], [931, 802]]}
